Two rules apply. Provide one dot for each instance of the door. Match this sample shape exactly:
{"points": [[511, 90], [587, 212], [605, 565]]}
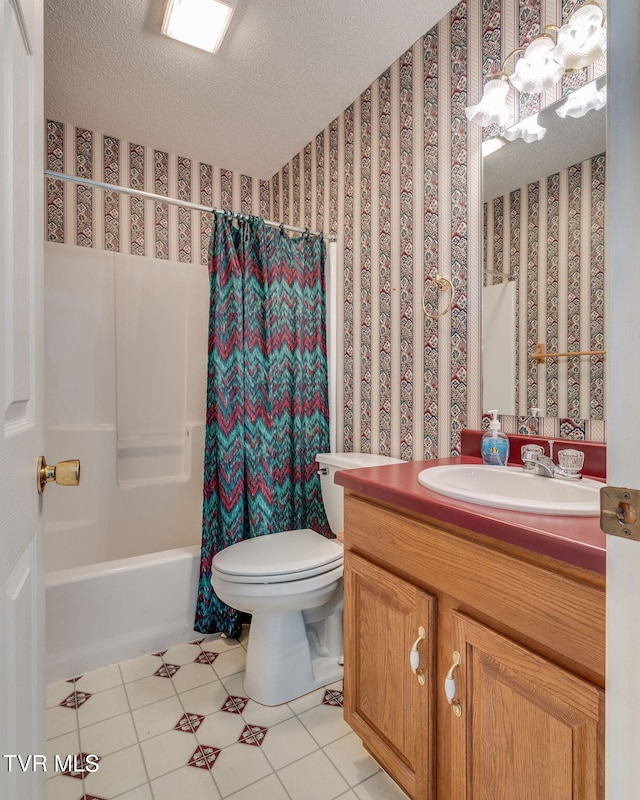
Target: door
{"points": [[622, 335], [388, 704], [528, 729], [21, 234]]}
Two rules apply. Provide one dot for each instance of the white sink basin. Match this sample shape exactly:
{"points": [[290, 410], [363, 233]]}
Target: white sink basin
{"points": [[512, 488]]}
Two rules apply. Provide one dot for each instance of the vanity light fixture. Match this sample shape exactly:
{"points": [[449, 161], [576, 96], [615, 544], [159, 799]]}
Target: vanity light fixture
{"points": [[537, 70], [492, 108], [200, 23], [528, 129], [583, 39], [580, 42], [582, 100]]}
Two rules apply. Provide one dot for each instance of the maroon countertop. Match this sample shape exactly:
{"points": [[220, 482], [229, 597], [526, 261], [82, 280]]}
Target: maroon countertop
{"points": [[574, 540]]}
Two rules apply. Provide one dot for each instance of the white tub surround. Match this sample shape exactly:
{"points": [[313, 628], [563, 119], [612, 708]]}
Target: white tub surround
{"points": [[126, 341]]}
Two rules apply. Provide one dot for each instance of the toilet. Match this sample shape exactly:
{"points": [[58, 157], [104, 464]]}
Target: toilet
{"points": [[291, 584]]}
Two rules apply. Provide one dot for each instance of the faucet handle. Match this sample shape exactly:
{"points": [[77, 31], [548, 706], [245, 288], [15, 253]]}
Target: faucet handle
{"points": [[530, 452], [571, 461]]}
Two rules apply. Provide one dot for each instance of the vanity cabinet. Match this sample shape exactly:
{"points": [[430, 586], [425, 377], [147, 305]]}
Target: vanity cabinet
{"points": [[391, 706], [529, 729], [524, 715]]}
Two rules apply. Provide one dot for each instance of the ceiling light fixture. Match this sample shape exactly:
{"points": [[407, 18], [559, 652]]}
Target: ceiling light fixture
{"points": [[200, 23], [580, 42]]}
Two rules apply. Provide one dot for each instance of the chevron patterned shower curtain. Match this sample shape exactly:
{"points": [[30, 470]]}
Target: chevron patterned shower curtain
{"points": [[267, 394]]}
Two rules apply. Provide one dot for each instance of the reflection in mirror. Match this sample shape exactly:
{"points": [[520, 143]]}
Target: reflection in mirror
{"points": [[544, 268]]}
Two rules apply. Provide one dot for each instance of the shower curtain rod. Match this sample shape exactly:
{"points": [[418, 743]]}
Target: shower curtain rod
{"points": [[160, 198]]}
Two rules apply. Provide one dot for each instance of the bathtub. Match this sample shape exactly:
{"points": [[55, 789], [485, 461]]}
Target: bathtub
{"points": [[121, 557], [103, 613]]}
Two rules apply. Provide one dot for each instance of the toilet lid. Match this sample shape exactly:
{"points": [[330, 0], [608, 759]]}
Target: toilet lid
{"points": [[299, 553]]}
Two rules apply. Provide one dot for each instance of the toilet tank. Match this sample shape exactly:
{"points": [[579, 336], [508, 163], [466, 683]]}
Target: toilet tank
{"points": [[332, 493]]}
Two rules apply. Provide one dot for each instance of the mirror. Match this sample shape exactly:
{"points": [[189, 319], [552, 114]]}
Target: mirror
{"points": [[544, 268]]}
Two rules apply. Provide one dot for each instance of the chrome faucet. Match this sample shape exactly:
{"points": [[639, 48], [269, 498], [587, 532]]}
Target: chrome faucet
{"points": [[535, 461]]}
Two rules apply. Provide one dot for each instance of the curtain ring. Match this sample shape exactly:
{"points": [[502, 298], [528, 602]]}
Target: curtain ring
{"points": [[307, 233], [282, 230], [442, 285]]}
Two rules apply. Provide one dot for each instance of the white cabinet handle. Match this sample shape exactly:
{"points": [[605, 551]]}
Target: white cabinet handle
{"points": [[414, 657], [450, 685]]}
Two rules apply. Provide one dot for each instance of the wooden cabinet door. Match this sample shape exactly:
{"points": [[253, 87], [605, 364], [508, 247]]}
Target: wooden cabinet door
{"points": [[385, 702], [529, 730]]}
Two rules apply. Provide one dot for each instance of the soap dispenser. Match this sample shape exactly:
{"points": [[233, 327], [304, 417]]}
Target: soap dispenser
{"points": [[495, 444]]}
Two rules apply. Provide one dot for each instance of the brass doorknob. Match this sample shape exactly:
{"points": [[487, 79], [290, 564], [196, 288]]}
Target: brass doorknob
{"points": [[64, 473]]}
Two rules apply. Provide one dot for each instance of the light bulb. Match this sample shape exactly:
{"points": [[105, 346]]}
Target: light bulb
{"points": [[582, 40], [582, 100], [528, 130], [492, 107], [537, 71]]}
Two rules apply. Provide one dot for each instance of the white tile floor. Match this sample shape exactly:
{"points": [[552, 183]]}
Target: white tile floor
{"points": [[177, 725]]}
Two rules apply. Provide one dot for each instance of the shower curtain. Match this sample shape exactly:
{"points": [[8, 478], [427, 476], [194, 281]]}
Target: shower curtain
{"points": [[267, 395]]}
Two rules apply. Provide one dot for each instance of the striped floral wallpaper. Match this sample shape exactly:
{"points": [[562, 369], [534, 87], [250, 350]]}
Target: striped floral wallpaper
{"points": [[402, 197], [91, 217], [396, 179], [391, 178]]}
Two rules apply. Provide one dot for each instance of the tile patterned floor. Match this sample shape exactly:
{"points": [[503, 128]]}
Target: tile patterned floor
{"points": [[176, 724]]}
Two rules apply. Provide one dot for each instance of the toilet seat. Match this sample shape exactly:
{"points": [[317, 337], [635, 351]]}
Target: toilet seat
{"points": [[278, 557]]}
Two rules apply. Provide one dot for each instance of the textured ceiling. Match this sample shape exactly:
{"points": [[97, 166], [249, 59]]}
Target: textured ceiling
{"points": [[285, 70]]}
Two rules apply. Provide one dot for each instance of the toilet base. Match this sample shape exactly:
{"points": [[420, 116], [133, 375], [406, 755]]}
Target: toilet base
{"points": [[280, 666]]}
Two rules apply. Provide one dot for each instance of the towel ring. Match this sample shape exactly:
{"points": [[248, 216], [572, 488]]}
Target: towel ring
{"points": [[442, 284]]}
